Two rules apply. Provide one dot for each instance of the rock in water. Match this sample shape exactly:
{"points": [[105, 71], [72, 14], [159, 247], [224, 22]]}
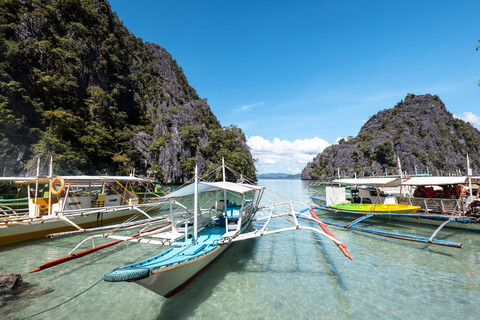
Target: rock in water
{"points": [[10, 282]]}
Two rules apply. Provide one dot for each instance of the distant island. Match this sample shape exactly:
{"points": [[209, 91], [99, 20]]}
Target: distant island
{"points": [[278, 176]]}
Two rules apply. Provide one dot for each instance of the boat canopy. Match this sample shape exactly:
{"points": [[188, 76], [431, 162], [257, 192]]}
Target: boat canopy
{"points": [[75, 179], [15, 179], [189, 190], [378, 182], [476, 179], [434, 181]]}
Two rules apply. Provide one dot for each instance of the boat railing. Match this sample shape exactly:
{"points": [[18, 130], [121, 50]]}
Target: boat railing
{"points": [[7, 212], [86, 211], [434, 205]]}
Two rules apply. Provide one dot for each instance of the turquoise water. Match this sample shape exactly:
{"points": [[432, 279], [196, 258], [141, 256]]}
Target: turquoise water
{"points": [[298, 275]]}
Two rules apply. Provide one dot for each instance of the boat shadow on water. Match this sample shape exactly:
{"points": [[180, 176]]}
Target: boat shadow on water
{"points": [[334, 275], [184, 304]]}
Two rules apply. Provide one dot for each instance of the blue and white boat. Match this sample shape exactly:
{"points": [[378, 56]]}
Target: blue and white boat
{"points": [[195, 240]]}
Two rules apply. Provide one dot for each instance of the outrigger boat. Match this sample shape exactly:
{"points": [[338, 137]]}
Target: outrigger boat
{"points": [[78, 203], [197, 232], [444, 195], [399, 204], [367, 196]]}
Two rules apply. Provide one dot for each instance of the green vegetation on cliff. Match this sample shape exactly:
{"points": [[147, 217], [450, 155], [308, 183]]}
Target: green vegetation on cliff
{"points": [[75, 83]]}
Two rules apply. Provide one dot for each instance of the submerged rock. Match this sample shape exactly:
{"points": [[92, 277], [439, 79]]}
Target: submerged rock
{"points": [[16, 294], [10, 282]]}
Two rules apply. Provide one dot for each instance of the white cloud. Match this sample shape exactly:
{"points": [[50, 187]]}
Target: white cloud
{"points": [[269, 161], [470, 117], [247, 107], [284, 156]]}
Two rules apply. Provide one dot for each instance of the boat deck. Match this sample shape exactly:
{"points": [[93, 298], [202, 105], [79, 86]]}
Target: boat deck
{"points": [[207, 241]]}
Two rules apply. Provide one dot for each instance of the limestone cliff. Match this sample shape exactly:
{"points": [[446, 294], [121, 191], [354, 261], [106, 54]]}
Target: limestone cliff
{"points": [[76, 84], [419, 130]]}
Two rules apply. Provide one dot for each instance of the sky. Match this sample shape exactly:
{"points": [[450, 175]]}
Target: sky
{"points": [[296, 76]]}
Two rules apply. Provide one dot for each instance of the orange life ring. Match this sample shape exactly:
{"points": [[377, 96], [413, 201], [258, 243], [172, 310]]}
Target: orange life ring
{"points": [[52, 186]]}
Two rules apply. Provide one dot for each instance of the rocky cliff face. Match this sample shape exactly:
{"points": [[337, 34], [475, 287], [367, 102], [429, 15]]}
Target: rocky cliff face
{"points": [[76, 84], [419, 130]]}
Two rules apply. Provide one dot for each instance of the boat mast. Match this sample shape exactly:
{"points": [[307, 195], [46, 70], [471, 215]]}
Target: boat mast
{"points": [[195, 204], [400, 168], [469, 174], [223, 169], [50, 173], [36, 181], [225, 195], [172, 217], [401, 175]]}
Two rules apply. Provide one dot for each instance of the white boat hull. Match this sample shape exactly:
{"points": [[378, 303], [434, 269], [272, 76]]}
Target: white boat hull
{"points": [[40, 227], [169, 281]]}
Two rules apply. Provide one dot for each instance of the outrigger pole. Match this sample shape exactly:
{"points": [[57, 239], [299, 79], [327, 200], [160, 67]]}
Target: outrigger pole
{"points": [[340, 246], [72, 255], [400, 236]]}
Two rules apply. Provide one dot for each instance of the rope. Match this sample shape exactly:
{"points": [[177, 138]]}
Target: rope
{"points": [[62, 303], [125, 188], [121, 196], [18, 190], [155, 186], [133, 217], [74, 195], [211, 174]]}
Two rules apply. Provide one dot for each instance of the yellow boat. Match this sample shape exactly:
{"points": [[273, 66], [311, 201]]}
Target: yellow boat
{"points": [[380, 208]]}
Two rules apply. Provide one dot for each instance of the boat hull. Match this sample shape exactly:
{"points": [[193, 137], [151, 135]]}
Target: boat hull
{"points": [[38, 228], [169, 281], [376, 208]]}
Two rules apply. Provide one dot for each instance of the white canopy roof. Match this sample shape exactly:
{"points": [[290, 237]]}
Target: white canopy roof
{"points": [[76, 179], [17, 178], [82, 179], [378, 182], [189, 190], [434, 181]]}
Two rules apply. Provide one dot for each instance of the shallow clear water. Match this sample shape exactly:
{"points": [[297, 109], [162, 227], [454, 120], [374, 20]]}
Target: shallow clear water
{"points": [[291, 275]]}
